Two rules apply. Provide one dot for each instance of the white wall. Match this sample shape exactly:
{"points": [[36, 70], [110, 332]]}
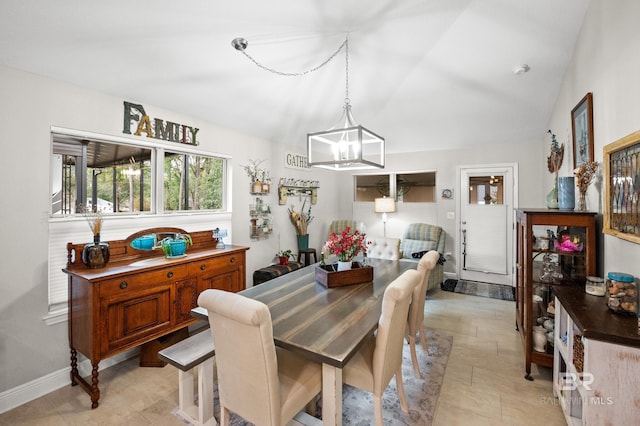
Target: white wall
{"points": [[606, 63]]}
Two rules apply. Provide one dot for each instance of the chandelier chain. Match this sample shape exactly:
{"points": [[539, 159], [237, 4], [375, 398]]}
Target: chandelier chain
{"points": [[297, 74], [346, 43]]}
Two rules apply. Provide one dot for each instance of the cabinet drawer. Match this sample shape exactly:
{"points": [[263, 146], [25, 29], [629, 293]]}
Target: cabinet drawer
{"points": [[220, 264], [142, 281]]}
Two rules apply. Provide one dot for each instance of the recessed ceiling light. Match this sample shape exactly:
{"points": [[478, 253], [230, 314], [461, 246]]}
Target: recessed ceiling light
{"points": [[521, 69]]}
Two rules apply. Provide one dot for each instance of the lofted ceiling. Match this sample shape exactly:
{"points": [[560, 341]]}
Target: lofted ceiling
{"points": [[424, 74]]}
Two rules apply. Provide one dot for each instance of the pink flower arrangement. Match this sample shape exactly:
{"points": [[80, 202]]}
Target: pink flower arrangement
{"points": [[347, 244]]}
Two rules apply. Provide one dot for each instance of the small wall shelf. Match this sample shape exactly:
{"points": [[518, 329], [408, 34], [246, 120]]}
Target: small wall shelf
{"points": [[291, 187]]}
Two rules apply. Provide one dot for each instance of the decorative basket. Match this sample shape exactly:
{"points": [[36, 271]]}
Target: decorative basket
{"points": [[578, 353], [328, 276]]}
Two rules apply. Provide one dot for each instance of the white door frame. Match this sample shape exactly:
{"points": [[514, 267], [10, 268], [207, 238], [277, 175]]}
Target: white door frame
{"points": [[510, 215]]}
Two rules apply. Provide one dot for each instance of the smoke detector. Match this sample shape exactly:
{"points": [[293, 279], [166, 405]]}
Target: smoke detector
{"points": [[521, 69]]}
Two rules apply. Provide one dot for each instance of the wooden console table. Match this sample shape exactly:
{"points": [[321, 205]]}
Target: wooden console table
{"points": [[141, 295]]}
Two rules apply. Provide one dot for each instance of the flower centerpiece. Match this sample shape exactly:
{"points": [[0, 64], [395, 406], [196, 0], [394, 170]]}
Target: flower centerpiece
{"points": [[584, 176], [554, 161], [346, 245]]}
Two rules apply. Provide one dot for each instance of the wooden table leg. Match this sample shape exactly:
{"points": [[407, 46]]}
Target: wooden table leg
{"points": [[331, 395]]}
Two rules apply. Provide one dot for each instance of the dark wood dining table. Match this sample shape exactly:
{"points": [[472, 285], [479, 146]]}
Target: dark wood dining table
{"points": [[326, 325]]}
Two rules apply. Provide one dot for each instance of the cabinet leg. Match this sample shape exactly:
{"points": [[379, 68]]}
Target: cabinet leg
{"points": [[95, 392], [529, 377], [74, 367]]}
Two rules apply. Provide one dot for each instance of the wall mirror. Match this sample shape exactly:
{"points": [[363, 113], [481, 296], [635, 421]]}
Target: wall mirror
{"points": [[622, 188]]}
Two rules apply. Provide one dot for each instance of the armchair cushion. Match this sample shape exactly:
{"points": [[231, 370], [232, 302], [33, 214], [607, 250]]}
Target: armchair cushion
{"points": [[414, 248]]}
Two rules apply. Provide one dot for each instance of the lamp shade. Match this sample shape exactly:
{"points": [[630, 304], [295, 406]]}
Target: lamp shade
{"points": [[384, 205]]}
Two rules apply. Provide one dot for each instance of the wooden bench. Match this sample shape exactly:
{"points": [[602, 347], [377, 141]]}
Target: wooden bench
{"points": [[191, 356], [274, 271]]}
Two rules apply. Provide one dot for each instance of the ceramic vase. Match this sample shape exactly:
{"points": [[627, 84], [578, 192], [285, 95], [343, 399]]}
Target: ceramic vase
{"points": [[303, 242], [566, 193], [539, 339], [96, 254], [552, 197], [344, 266]]}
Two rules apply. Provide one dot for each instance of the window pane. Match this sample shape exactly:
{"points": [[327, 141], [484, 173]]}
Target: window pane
{"points": [[193, 182], [112, 177], [370, 187], [486, 190], [416, 187]]}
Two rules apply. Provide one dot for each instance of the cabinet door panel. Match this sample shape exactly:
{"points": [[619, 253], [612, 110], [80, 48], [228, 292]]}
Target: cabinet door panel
{"points": [[135, 317], [228, 281], [186, 299]]}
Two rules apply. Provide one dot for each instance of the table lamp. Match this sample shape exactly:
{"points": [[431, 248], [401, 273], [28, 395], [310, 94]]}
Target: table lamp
{"points": [[218, 234], [384, 205]]}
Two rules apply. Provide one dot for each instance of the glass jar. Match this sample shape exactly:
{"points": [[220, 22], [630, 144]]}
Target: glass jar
{"points": [[595, 286], [622, 294]]}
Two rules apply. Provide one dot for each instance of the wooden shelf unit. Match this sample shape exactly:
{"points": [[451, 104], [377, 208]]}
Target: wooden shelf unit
{"points": [[597, 360], [574, 267]]}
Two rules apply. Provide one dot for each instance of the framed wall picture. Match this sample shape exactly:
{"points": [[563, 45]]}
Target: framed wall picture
{"points": [[582, 129], [622, 185]]}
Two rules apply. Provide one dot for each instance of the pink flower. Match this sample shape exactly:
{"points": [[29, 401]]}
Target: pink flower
{"points": [[346, 245]]}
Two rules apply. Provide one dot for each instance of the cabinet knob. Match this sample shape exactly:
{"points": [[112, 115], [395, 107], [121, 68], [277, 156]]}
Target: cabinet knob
{"points": [[123, 285], [203, 267], [169, 274], [233, 259]]}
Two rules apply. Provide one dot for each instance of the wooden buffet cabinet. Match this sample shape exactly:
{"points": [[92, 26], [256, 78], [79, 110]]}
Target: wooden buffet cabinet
{"points": [[534, 288], [141, 296]]}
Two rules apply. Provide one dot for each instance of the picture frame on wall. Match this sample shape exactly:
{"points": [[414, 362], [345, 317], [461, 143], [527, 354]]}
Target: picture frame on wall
{"points": [[582, 131]]}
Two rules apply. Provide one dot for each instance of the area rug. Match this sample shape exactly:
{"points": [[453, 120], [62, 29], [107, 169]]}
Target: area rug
{"points": [[476, 288], [422, 394]]}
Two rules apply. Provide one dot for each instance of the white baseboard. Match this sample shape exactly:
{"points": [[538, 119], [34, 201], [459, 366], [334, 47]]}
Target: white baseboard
{"points": [[36, 388], [450, 276]]}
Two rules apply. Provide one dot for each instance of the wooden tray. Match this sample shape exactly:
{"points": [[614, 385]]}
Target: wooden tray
{"points": [[358, 274]]}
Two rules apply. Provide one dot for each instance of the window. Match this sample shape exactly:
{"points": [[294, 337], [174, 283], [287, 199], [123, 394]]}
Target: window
{"points": [[192, 182], [486, 190], [405, 187], [115, 177]]}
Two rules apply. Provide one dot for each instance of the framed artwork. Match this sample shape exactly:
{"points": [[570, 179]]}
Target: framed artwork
{"points": [[582, 129], [621, 160]]}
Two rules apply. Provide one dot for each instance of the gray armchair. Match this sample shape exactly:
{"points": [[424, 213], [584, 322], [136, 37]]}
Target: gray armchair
{"points": [[420, 238]]}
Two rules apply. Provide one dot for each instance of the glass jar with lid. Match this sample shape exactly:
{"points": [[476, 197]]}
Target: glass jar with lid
{"points": [[595, 286], [622, 294]]}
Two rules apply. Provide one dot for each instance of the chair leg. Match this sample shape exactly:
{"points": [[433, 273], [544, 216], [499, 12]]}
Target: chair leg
{"points": [[377, 409], [401, 394], [414, 356], [423, 340], [224, 416]]}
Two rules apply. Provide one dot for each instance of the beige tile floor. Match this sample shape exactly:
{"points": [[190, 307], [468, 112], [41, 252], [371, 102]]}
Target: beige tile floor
{"points": [[484, 382]]}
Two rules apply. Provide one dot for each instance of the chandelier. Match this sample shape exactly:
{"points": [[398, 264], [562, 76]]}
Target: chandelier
{"points": [[347, 145]]}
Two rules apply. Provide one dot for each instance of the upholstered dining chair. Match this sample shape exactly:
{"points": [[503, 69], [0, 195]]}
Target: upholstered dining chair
{"points": [[338, 226], [383, 248], [263, 384], [415, 325], [380, 357]]}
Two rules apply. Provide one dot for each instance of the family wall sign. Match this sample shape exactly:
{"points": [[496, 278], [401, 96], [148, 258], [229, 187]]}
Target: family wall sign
{"points": [[160, 129]]}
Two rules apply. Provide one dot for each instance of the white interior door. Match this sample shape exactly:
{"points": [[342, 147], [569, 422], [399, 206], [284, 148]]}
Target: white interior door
{"points": [[486, 205]]}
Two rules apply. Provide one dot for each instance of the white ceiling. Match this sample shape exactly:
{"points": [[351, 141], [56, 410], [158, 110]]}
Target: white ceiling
{"points": [[424, 74]]}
